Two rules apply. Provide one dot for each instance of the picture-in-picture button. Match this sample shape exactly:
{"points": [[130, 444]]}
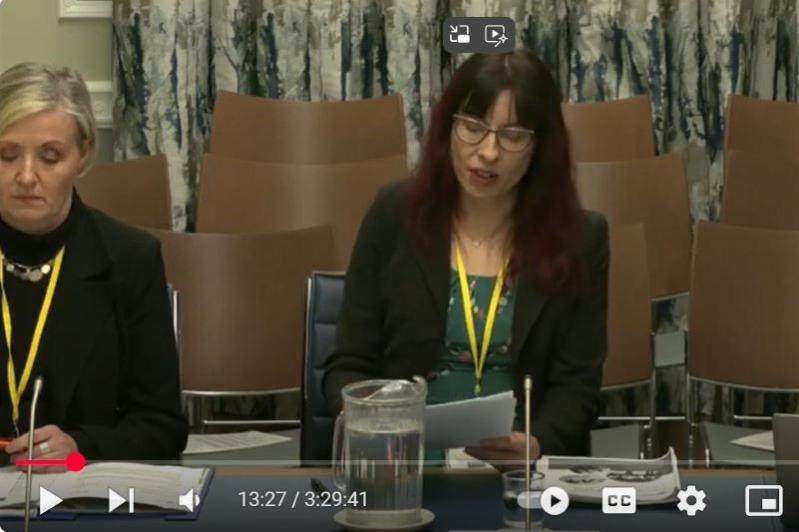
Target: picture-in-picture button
{"points": [[763, 500], [479, 35]]}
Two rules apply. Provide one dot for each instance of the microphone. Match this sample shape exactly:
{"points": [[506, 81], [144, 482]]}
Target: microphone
{"points": [[37, 390], [528, 390]]}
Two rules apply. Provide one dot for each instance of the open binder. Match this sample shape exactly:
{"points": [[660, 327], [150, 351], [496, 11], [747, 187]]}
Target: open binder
{"points": [[157, 490]]}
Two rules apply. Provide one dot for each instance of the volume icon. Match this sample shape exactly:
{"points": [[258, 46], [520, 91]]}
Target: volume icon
{"points": [[189, 500]]}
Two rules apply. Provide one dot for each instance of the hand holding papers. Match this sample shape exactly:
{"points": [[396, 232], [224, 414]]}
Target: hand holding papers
{"points": [[465, 423]]}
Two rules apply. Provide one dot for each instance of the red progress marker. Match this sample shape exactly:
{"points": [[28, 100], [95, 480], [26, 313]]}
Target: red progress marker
{"points": [[74, 462]]}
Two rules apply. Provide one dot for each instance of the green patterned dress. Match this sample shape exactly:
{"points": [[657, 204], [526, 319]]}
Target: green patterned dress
{"points": [[454, 379]]}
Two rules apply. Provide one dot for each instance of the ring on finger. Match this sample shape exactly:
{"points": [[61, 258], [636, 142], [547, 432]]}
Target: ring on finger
{"points": [[44, 447]]}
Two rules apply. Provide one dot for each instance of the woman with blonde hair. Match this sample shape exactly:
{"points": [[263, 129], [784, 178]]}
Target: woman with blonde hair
{"points": [[83, 296]]}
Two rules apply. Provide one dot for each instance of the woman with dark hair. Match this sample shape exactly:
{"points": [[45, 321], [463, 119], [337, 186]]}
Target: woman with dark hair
{"points": [[483, 268]]}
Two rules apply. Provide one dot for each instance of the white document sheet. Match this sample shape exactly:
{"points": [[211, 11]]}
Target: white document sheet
{"points": [[214, 443], [465, 423], [763, 441]]}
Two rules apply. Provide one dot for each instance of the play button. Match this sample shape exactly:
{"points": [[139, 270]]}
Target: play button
{"points": [[48, 500], [494, 34], [554, 500]]}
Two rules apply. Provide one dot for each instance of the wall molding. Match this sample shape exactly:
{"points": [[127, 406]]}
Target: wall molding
{"points": [[85, 9], [102, 94]]}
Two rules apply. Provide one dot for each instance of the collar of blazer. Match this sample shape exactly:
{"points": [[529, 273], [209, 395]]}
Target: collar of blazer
{"points": [[434, 261], [83, 300]]}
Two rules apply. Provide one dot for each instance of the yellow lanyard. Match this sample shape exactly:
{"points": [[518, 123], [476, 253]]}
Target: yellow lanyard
{"points": [[13, 390], [479, 362]]}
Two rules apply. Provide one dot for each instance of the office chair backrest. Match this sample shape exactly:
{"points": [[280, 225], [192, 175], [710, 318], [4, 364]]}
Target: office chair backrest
{"points": [[761, 126], [283, 131], [760, 190], [241, 311], [651, 192], [325, 292], [629, 309], [238, 196], [610, 131], [135, 191], [745, 306]]}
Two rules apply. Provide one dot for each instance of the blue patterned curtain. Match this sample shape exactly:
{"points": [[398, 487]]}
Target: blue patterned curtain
{"points": [[171, 56]]}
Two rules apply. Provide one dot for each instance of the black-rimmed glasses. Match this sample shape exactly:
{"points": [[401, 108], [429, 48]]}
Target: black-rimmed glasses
{"points": [[472, 131]]}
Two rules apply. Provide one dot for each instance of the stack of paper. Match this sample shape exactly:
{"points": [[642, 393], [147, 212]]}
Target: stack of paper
{"points": [[656, 481], [8, 478]]}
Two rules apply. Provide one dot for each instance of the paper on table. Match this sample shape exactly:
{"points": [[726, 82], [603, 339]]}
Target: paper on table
{"points": [[458, 459], [8, 477], [762, 440], [656, 480], [465, 423], [214, 443]]}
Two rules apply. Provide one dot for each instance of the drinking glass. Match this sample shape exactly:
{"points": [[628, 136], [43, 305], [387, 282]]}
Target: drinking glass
{"points": [[516, 508]]}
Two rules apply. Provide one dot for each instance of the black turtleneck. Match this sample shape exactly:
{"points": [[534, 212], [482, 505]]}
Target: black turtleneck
{"points": [[28, 249], [25, 301]]}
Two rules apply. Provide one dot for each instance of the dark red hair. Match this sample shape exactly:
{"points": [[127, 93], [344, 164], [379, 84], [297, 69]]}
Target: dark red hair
{"points": [[547, 218]]}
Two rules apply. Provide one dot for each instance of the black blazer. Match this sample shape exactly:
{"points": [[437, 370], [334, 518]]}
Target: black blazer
{"points": [[393, 321], [108, 354]]}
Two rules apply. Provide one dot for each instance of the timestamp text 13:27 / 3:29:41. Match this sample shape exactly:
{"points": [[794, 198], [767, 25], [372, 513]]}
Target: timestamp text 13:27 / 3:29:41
{"points": [[302, 499]]}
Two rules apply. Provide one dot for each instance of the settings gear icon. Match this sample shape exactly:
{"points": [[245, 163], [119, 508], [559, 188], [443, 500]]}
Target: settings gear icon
{"points": [[698, 503]]}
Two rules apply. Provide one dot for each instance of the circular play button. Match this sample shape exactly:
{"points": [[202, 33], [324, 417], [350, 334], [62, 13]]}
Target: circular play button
{"points": [[554, 500]]}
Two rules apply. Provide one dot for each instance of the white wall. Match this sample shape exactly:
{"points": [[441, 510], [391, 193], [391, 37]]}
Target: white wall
{"points": [[34, 30]]}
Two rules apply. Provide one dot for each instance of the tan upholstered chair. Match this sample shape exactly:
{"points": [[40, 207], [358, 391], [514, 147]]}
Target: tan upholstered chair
{"points": [[629, 361], [239, 196], [135, 191], [651, 192], [282, 131], [242, 300], [629, 312], [744, 311], [610, 131], [761, 126], [761, 190]]}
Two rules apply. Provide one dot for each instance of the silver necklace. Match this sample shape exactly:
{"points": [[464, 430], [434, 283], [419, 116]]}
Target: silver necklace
{"points": [[33, 274], [479, 242], [476, 243]]}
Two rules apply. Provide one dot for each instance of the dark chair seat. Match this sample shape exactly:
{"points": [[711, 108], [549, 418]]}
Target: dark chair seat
{"points": [[325, 291]]}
